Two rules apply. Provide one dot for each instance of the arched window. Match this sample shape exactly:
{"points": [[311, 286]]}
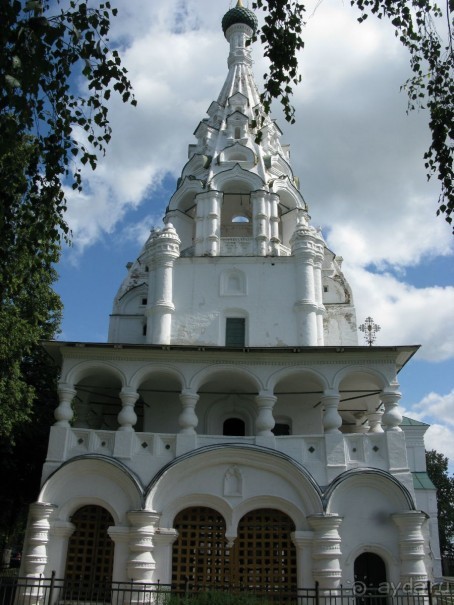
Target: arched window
{"points": [[89, 562], [234, 427]]}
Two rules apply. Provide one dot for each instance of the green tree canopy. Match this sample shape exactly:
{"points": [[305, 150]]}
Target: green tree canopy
{"points": [[47, 130], [437, 469], [431, 56]]}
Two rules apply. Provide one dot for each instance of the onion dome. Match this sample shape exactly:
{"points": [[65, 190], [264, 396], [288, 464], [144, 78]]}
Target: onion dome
{"points": [[239, 14]]}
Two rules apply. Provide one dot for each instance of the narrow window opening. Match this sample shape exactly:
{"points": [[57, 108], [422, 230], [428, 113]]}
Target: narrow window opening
{"points": [[146, 269], [144, 330], [240, 218], [144, 301], [281, 429], [234, 427], [235, 330], [325, 288], [237, 133]]}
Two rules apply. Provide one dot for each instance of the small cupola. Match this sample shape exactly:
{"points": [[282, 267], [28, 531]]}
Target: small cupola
{"points": [[239, 14]]}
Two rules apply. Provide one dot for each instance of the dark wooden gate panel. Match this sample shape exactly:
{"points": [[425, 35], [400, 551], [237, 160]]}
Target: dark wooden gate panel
{"points": [[262, 559], [90, 556], [200, 558]]}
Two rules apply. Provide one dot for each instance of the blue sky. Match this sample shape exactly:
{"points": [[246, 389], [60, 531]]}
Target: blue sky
{"points": [[357, 153]]}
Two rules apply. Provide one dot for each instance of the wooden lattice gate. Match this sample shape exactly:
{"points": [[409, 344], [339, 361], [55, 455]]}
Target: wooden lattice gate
{"points": [[262, 559], [90, 556]]}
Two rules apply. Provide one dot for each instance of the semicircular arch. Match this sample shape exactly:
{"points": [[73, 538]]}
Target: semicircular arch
{"points": [[92, 480], [397, 495], [214, 371], [290, 372], [85, 369], [268, 474], [375, 376], [149, 371]]}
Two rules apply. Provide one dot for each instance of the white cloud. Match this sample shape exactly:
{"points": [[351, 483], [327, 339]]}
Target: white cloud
{"points": [[436, 409], [407, 315], [441, 439], [436, 406]]}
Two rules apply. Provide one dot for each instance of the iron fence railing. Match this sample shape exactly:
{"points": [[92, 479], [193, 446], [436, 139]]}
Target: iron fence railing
{"points": [[54, 591]]}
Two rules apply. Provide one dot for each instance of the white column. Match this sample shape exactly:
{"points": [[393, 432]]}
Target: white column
{"points": [[304, 243], [260, 221], [326, 551], [213, 243], [119, 535], [141, 563], [303, 543], [188, 418], [375, 421], [166, 250], [59, 534], [127, 417], [265, 421], [37, 539], [411, 546], [199, 239], [332, 420], [274, 217], [64, 412], [318, 263], [163, 540], [392, 417]]}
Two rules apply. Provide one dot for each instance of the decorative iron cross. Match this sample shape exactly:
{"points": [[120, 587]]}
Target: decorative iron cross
{"points": [[370, 330]]}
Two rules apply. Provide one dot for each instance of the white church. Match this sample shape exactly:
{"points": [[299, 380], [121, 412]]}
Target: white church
{"points": [[232, 432]]}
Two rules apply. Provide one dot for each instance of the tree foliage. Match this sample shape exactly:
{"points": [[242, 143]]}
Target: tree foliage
{"points": [[437, 469], [23, 458], [431, 84], [47, 131]]}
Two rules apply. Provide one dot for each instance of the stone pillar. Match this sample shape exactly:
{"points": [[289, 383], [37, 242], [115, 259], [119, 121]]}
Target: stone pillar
{"points": [[326, 550], [213, 239], [127, 417], [199, 239], [119, 534], [37, 539], [332, 420], [165, 249], [304, 243], [64, 412], [392, 417], [375, 421], [303, 543], [411, 546], [274, 218], [188, 418], [318, 263], [163, 540], [261, 221], [59, 533], [265, 421], [141, 564]]}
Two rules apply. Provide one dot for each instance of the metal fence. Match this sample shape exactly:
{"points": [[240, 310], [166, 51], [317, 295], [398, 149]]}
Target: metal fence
{"points": [[54, 591]]}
